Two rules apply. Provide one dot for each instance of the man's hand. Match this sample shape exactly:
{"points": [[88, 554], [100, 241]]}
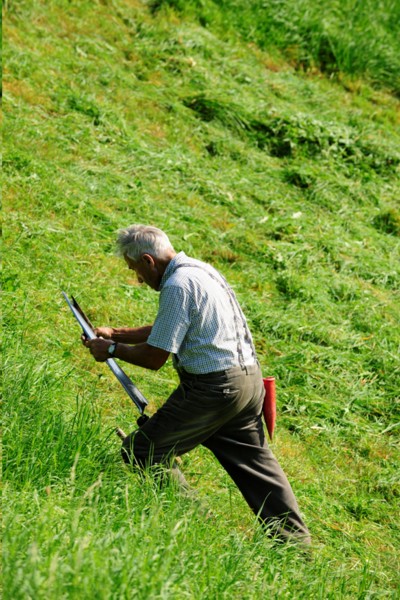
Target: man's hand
{"points": [[104, 332], [98, 348]]}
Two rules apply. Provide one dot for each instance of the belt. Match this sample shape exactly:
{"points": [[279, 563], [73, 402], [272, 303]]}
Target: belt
{"points": [[249, 369]]}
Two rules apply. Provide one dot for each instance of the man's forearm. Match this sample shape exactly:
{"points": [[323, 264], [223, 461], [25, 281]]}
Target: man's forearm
{"points": [[131, 335], [142, 355]]}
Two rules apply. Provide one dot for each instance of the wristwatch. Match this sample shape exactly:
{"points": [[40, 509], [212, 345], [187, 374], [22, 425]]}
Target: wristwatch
{"points": [[111, 348]]}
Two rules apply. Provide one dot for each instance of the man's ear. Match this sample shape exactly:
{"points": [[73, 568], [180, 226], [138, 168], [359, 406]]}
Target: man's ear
{"points": [[148, 259]]}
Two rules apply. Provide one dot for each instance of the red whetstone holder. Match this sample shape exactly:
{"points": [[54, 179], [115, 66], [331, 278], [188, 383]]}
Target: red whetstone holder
{"points": [[269, 406]]}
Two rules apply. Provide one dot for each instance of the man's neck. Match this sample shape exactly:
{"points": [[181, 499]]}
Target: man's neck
{"points": [[162, 264]]}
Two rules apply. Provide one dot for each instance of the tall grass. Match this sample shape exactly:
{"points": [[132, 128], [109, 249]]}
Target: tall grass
{"points": [[77, 524], [340, 36]]}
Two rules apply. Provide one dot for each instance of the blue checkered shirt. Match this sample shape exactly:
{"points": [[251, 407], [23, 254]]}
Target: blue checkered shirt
{"points": [[197, 321]]}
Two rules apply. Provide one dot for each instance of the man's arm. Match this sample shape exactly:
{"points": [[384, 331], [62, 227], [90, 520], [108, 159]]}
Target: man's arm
{"points": [[124, 335], [141, 354]]}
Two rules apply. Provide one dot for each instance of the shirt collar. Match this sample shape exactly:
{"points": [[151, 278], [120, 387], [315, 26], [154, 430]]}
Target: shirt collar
{"points": [[178, 258]]}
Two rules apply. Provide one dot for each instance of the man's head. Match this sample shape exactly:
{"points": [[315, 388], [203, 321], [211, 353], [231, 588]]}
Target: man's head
{"points": [[147, 251]]}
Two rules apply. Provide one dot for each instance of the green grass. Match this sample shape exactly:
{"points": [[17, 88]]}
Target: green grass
{"points": [[285, 175], [342, 36]]}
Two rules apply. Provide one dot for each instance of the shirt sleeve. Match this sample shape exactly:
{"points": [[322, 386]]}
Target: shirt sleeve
{"points": [[172, 321]]}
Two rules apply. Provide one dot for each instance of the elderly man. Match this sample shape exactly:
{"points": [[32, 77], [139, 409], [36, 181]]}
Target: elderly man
{"points": [[218, 402]]}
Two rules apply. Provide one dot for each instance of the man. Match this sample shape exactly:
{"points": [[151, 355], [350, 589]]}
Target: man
{"points": [[218, 402]]}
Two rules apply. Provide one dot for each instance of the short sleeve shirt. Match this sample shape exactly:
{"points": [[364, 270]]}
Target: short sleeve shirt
{"points": [[197, 321]]}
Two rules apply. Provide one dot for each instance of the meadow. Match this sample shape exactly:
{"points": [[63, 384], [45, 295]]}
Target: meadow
{"points": [[264, 139]]}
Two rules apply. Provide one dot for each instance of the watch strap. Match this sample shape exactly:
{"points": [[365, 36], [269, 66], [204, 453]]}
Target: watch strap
{"points": [[111, 348]]}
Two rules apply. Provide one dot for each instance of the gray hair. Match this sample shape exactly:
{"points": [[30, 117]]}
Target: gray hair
{"points": [[136, 240]]}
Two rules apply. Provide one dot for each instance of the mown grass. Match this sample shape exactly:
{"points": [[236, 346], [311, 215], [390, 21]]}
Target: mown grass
{"points": [[287, 181]]}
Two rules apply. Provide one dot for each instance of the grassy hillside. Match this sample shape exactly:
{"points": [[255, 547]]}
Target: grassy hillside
{"points": [[341, 36], [282, 172]]}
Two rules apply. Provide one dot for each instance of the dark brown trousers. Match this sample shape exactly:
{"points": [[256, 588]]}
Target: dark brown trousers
{"points": [[222, 411]]}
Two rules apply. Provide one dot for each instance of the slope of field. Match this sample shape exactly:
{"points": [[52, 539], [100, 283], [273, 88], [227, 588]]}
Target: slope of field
{"points": [[284, 175]]}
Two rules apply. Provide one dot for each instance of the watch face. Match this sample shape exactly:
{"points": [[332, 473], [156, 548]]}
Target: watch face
{"points": [[111, 349]]}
